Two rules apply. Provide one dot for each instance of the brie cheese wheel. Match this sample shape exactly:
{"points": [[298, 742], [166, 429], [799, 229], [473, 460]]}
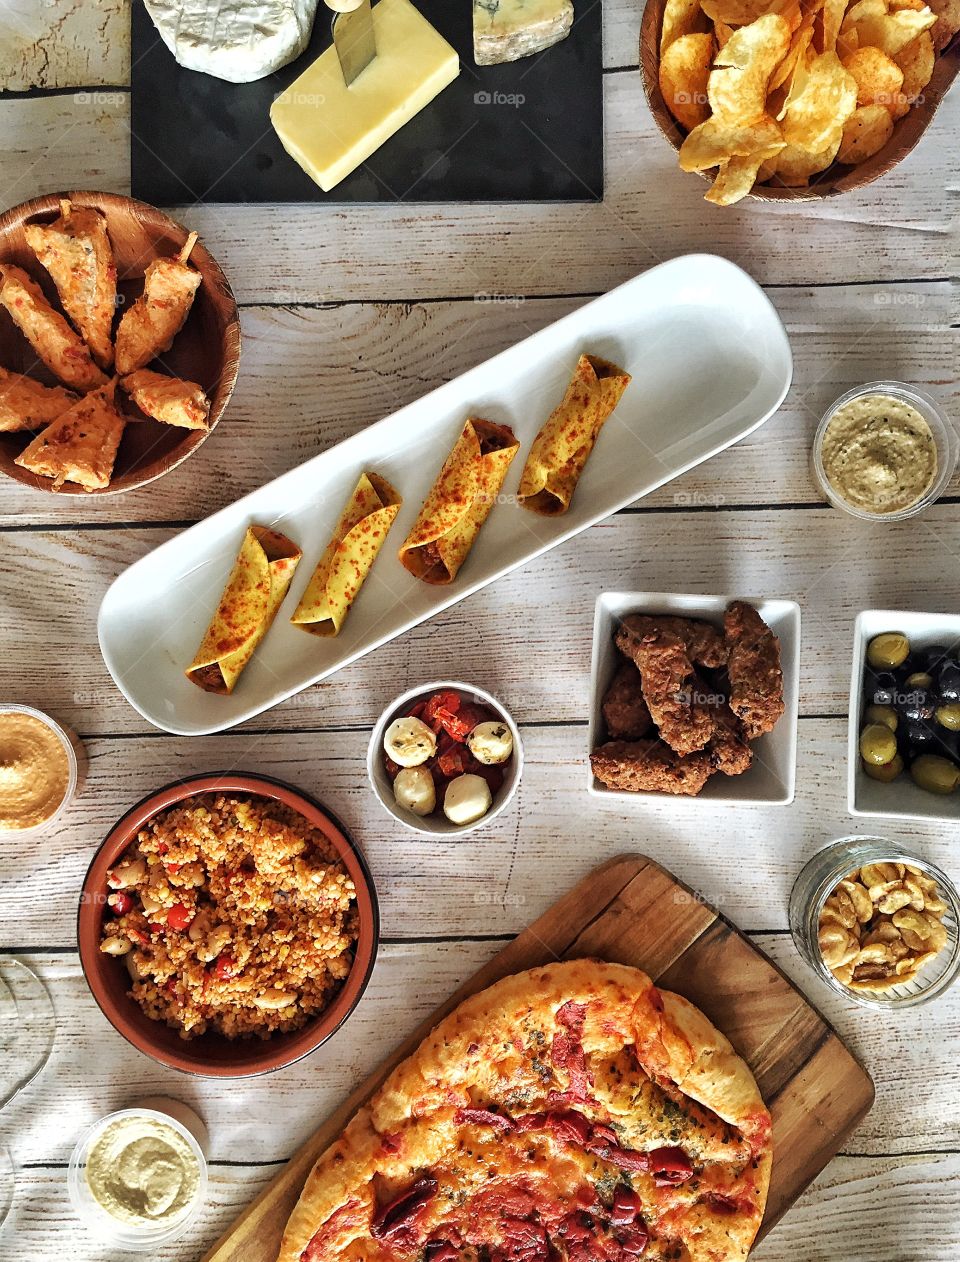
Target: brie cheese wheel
{"points": [[506, 30], [236, 40]]}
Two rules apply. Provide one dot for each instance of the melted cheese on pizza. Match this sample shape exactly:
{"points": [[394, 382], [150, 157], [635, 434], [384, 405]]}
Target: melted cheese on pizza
{"points": [[571, 1112]]}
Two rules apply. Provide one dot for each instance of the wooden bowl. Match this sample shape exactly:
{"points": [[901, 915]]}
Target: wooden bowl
{"points": [[212, 1054], [206, 350], [836, 179]]}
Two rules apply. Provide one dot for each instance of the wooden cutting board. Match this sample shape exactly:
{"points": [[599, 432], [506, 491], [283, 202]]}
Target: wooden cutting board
{"points": [[632, 911]]}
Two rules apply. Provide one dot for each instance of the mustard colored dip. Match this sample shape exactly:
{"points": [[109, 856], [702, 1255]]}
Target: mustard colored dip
{"points": [[34, 770], [879, 454], [140, 1170]]}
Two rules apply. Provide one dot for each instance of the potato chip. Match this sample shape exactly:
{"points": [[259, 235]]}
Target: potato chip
{"points": [[684, 68], [722, 32], [833, 11], [888, 31], [917, 60], [798, 51], [828, 96], [947, 24], [794, 166], [736, 12], [865, 132], [737, 90], [734, 181], [681, 17], [878, 77], [715, 141], [848, 42]]}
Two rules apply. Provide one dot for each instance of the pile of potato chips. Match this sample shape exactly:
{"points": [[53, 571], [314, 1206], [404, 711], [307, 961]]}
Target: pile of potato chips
{"points": [[778, 90]]}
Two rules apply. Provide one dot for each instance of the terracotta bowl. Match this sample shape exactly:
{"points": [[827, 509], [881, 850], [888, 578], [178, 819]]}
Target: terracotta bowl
{"points": [[213, 1055], [206, 350], [836, 179]]}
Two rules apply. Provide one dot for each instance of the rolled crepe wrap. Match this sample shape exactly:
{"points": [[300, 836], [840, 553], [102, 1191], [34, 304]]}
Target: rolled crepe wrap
{"points": [[342, 570], [460, 501], [253, 594], [564, 444]]}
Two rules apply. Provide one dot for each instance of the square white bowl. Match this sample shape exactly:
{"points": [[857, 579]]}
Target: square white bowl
{"points": [[771, 781], [902, 799]]}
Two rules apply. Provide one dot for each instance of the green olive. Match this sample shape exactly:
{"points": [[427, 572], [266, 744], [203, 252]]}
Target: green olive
{"points": [[949, 716], [878, 745], [936, 775], [884, 714], [919, 679], [888, 651], [887, 771]]}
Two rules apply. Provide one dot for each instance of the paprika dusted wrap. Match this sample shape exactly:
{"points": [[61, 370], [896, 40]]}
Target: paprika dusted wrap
{"points": [[460, 501], [564, 444], [363, 526], [254, 592]]}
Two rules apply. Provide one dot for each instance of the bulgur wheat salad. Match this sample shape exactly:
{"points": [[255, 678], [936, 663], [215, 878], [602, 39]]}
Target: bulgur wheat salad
{"points": [[232, 913]]}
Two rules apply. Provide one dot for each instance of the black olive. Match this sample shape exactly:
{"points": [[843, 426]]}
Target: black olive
{"points": [[948, 744], [915, 704], [930, 658], [879, 687], [948, 681], [918, 738]]}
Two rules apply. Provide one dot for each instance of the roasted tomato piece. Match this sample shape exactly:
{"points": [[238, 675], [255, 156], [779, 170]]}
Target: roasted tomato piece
{"points": [[121, 902], [670, 1167], [223, 967], [401, 1212], [627, 1206], [179, 917], [393, 768], [446, 702], [461, 724], [492, 774], [454, 759]]}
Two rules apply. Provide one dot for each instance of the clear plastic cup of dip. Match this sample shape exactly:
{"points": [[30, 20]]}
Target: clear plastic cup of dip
{"points": [[941, 427], [126, 1233], [66, 742]]}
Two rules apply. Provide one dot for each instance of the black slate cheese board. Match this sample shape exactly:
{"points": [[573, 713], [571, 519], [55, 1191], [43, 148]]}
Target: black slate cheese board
{"points": [[529, 130]]}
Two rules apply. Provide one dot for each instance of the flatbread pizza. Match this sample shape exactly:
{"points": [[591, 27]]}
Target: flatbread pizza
{"points": [[460, 501], [562, 448], [571, 1113]]}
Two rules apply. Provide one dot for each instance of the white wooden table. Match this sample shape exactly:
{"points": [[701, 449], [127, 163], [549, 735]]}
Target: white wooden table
{"points": [[345, 317]]}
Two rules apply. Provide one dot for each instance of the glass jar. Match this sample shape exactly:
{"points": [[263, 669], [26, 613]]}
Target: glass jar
{"points": [[817, 881]]}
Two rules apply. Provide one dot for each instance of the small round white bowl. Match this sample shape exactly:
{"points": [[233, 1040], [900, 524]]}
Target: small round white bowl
{"points": [[438, 824]]}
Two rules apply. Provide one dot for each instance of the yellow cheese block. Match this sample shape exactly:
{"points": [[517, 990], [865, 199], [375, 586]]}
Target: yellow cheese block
{"points": [[330, 128]]}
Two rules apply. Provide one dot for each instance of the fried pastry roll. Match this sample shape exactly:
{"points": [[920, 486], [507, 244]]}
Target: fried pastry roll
{"points": [[55, 342], [147, 329]]}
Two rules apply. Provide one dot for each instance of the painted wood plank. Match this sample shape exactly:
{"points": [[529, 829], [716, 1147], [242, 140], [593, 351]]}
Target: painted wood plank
{"points": [[527, 637], [93, 1070], [312, 376], [64, 44], [508, 873], [898, 227]]}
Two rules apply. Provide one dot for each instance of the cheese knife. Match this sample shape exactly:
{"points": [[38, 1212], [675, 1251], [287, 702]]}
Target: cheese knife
{"points": [[353, 36]]}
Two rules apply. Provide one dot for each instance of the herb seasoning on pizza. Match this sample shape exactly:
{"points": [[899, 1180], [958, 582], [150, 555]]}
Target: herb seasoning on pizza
{"points": [[571, 1112]]}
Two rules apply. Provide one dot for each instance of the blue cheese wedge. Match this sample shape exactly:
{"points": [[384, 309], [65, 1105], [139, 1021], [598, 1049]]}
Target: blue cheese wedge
{"points": [[506, 30]]}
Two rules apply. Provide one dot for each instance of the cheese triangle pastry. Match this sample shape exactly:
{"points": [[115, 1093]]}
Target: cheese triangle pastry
{"points": [[26, 404], [254, 592], [461, 499], [147, 329], [360, 533], [75, 250], [168, 399], [561, 449], [80, 445], [55, 342]]}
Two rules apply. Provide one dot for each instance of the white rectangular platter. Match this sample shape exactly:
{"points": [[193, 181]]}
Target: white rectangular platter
{"points": [[710, 363]]}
